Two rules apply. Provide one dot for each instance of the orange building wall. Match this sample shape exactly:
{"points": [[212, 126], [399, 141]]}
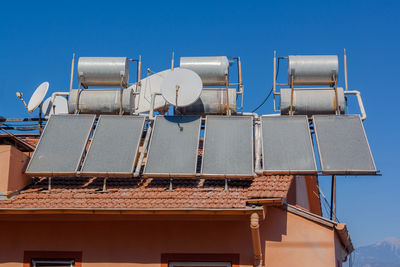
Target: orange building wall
{"points": [[288, 240], [291, 240], [125, 243], [12, 164]]}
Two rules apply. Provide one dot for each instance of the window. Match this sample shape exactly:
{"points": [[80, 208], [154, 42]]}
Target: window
{"points": [[52, 259], [199, 264], [200, 260], [52, 263]]}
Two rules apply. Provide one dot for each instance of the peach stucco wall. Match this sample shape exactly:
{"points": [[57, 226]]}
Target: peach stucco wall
{"points": [[291, 240], [124, 243], [287, 239], [12, 163]]}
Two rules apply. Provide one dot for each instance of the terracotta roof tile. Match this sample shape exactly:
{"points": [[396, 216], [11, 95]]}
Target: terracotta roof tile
{"points": [[134, 193]]}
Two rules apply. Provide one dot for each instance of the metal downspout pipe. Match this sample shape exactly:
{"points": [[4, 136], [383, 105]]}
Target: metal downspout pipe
{"points": [[255, 235]]}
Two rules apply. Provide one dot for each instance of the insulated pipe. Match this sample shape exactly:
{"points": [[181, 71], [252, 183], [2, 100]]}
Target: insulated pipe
{"points": [[53, 97], [152, 101], [240, 82], [360, 103], [72, 72], [255, 234], [139, 70]]}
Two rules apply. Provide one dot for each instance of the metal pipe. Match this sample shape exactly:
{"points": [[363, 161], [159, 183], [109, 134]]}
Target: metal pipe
{"points": [[78, 94], [139, 70], [19, 139], [53, 97], [291, 98], [152, 102], [121, 110], [274, 79], [331, 212], [255, 234], [345, 70], [240, 82], [228, 109], [336, 99], [257, 136], [172, 61], [144, 150], [239, 63], [21, 120], [334, 197], [72, 72], [360, 103]]}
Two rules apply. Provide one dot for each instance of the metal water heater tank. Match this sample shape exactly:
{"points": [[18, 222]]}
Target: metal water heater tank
{"points": [[312, 101], [102, 101], [103, 71], [313, 70], [212, 70]]}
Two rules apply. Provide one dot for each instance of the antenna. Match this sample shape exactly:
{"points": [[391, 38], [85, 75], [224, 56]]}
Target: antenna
{"points": [[181, 87], [36, 98]]}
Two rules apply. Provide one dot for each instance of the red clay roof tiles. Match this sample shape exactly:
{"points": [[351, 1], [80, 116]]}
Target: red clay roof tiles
{"points": [[134, 193]]}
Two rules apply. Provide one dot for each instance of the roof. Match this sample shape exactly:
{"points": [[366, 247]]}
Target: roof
{"points": [[145, 193], [24, 143]]}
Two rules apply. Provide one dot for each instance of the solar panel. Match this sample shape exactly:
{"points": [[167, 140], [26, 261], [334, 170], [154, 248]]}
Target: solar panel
{"points": [[228, 147], [114, 146], [173, 146], [60, 149], [287, 146], [343, 146]]}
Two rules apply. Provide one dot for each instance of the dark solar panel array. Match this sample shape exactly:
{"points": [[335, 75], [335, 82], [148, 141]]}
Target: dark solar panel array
{"points": [[228, 146], [287, 145], [61, 146], [114, 147], [173, 148], [342, 145]]}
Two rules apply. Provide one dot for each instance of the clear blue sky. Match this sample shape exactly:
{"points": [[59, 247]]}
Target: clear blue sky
{"points": [[38, 39]]}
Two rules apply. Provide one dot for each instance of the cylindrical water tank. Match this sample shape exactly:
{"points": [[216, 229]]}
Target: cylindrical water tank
{"points": [[212, 70], [211, 101], [103, 71], [312, 101], [102, 101], [313, 70]]}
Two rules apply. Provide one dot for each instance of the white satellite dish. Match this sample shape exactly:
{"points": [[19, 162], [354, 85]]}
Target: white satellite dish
{"points": [[181, 87], [60, 106], [38, 96]]}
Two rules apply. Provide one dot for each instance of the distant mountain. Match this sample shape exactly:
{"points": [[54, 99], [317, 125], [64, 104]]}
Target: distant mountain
{"points": [[385, 253]]}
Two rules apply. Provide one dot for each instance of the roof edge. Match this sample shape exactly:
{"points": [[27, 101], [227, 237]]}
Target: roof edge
{"points": [[310, 216], [339, 228], [233, 211], [344, 237]]}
